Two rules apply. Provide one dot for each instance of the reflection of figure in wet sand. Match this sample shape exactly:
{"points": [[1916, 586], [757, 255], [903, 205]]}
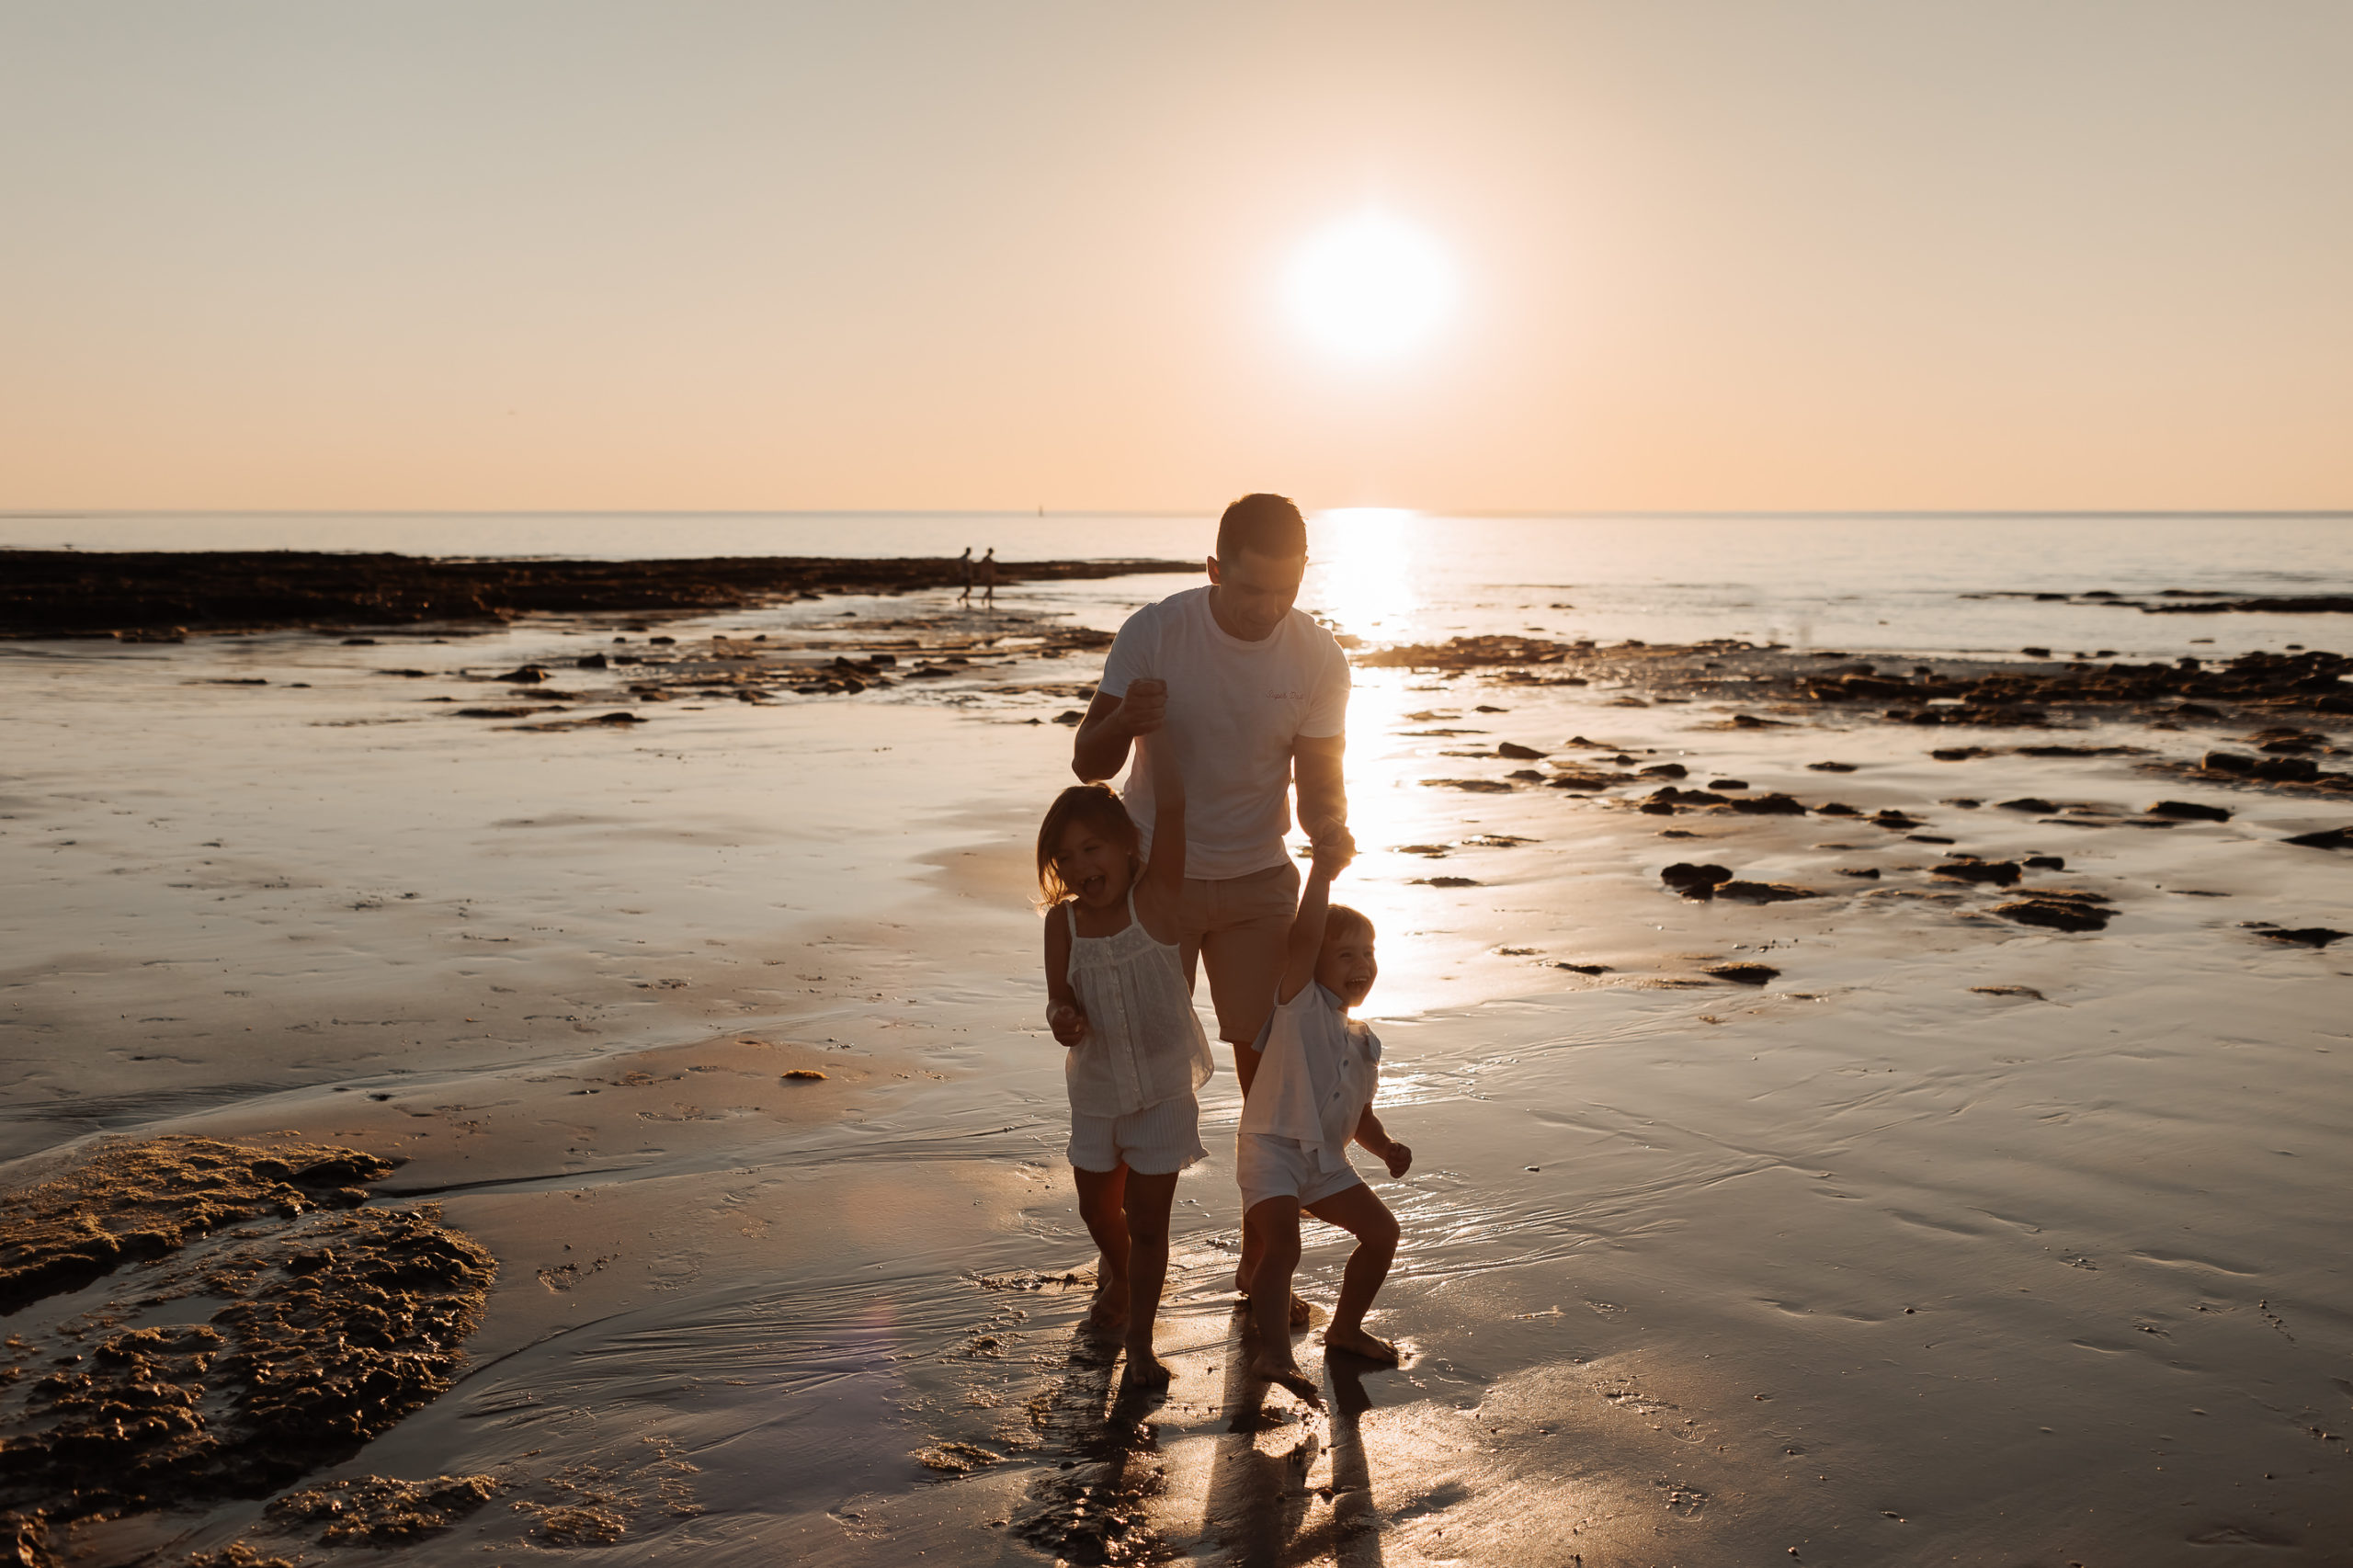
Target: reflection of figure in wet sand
{"points": [[988, 579], [1260, 1506], [1311, 1097], [1117, 998], [965, 562]]}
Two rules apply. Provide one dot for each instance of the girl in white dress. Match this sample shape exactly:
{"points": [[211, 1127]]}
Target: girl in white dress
{"points": [[1116, 997]]}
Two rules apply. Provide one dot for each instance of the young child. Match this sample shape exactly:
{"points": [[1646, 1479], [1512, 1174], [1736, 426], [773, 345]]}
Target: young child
{"points": [[1116, 997], [1311, 1097]]}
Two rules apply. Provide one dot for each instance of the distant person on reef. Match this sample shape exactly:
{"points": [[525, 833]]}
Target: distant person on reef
{"points": [[1257, 699], [988, 579], [965, 562]]}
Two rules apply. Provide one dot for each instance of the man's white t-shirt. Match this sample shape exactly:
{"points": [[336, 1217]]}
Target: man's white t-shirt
{"points": [[1235, 710]]}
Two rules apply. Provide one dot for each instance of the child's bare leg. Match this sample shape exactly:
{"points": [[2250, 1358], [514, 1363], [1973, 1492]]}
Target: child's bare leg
{"points": [[1100, 1195], [1249, 1267], [1276, 1222], [1360, 1211], [1147, 1203]]}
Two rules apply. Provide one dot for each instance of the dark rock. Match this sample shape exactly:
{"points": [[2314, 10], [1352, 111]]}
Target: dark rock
{"points": [[1959, 754], [1836, 809], [2036, 653], [1928, 838], [2046, 863], [2034, 803], [1519, 753], [591, 662], [1674, 796], [1666, 770], [1587, 783], [2226, 762], [1763, 892], [2190, 810], [1526, 776], [1896, 821], [2027, 990], [1476, 786], [2057, 915], [618, 717], [1966, 802], [2288, 769], [663, 639], [1744, 973], [1727, 783], [530, 675], [1683, 876], [1830, 768], [1584, 968], [2002, 873], [2306, 936], [1772, 805], [2333, 838], [1656, 808], [1870, 872], [1444, 882]]}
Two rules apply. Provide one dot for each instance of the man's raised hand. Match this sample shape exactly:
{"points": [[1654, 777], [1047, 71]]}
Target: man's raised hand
{"points": [[1145, 707]]}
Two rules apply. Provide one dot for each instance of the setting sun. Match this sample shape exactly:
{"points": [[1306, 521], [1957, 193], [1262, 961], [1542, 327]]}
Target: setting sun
{"points": [[1371, 285]]}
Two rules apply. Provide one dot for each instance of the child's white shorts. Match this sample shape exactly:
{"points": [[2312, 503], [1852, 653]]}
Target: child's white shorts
{"points": [[1283, 1167], [1156, 1141]]}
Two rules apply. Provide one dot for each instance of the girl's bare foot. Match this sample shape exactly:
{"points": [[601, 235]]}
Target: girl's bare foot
{"points": [[1288, 1375], [1356, 1342], [1145, 1370]]}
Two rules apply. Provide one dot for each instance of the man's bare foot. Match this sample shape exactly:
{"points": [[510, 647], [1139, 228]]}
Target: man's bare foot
{"points": [[1110, 1312], [1288, 1375], [1356, 1342], [1145, 1370], [1302, 1314]]}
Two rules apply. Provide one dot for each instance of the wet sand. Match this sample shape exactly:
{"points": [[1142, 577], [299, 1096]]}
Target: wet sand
{"points": [[1955, 1239]]}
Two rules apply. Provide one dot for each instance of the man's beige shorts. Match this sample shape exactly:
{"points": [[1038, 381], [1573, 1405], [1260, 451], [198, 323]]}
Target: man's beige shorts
{"points": [[1237, 927]]}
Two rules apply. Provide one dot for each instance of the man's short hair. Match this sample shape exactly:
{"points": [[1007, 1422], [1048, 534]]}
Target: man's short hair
{"points": [[1263, 525]]}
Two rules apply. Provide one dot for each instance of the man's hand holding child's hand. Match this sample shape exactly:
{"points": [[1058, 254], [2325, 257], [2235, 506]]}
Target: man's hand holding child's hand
{"points": [[1144, 706], [1068, 1021], [1334, 846]]}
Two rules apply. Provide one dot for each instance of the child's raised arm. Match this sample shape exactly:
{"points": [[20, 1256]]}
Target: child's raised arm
{"points": [[1306, 940], [1160, 888]]}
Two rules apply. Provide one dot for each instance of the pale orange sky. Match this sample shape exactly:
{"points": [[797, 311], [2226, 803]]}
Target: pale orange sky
{"points": [[1735, 254]]}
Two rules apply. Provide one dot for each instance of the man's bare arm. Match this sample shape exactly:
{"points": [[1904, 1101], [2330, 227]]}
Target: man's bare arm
{"points": [[1319, 775]]}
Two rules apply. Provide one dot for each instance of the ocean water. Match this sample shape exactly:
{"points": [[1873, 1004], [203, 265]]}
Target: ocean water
{"points": [[1897, 583]]}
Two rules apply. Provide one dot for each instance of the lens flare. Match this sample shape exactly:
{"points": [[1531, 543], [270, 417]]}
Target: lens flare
{"points": [[1372, 286]]}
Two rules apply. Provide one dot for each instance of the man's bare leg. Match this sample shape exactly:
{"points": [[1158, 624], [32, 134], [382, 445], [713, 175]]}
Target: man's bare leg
{"points": [[1360, 1211], [1101, 1196], [1276, 1222], [1146, 1206]]}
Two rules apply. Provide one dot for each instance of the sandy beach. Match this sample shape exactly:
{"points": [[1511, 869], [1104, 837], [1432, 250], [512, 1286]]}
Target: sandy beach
{"points": [[1858, 1214]]}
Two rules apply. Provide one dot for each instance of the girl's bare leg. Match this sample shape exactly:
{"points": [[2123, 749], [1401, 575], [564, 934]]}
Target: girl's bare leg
{"points": [[1101, 1196], [1276, 1221], [1146, 1206], [1360, 1211]]}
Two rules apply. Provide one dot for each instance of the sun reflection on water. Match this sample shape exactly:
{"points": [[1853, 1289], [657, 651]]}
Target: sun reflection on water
{"points": [[1361, 569]]}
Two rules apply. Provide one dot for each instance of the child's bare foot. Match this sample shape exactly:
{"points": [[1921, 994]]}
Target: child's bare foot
{"points": [[1356, 1342], [1145, 1370], [1287, 1375]]}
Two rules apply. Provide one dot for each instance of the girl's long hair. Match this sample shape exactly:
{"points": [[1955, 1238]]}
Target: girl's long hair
{"points": [[1097, 805]]}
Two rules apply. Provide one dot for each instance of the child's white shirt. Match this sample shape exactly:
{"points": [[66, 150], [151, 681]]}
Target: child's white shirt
{"points": [[1143, 1042], [1318, 1069]]}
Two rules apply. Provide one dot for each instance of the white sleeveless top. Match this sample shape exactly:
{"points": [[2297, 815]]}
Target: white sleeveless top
{"points": [[1143, 1042]]}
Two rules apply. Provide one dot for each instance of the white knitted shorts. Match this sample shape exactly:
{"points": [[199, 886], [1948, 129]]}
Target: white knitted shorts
{"points": [[1157, 1139]]}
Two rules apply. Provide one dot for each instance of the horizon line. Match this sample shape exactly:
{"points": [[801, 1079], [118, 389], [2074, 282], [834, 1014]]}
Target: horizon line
{"points": [[61, 514]]}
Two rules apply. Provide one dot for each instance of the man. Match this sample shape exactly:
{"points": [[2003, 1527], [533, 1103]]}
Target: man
{"points": [[1254, 695]]}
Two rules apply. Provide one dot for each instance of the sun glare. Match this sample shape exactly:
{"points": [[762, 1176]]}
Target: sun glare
{"points": [[1372, 286]]}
